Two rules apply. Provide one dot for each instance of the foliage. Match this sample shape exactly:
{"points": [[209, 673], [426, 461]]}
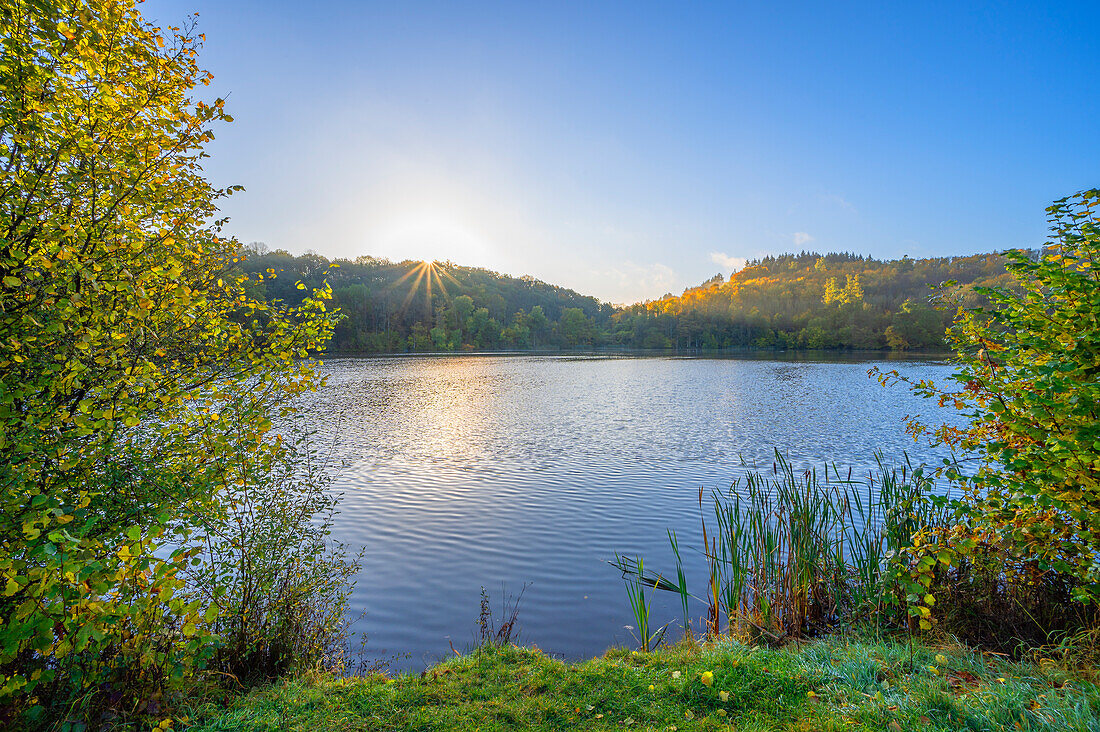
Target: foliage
{"points": [[417, 306], [280, 585], [139, 377], [837, 683], [1030, 369], [797, 301], [1028, 535]]}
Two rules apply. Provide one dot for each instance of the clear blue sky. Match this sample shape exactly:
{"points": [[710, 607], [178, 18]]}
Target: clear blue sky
{"points": [[630, 149]]}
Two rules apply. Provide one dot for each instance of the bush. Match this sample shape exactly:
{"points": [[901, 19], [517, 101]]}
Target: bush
{"points": [[139, 378], [1022, 560], [279, 584], [1029, 367]]}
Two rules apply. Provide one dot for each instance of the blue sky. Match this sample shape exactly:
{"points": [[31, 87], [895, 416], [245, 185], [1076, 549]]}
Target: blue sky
{"points": [[631, 149]]}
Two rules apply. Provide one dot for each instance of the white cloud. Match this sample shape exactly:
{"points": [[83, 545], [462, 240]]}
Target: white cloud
{"points": [[838, 201], [801, 237], [632, 282], [731, 263]]}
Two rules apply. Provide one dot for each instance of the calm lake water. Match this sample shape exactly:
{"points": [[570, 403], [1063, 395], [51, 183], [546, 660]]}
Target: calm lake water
{"points": [[460, 472]]}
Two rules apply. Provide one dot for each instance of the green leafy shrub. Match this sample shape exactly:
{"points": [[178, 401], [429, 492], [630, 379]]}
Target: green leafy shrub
{"points": [[1022, 561], [139, 379], [279, 584], [1030, 368]]}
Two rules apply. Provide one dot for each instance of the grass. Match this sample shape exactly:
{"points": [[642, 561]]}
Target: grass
{"points": [[829, 684]]}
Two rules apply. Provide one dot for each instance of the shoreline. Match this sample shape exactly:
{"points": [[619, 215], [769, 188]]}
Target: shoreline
{"points": [[763, 354]]}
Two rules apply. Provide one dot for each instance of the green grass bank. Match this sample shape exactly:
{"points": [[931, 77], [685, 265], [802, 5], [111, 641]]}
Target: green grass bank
{"points": [[829, 684]]}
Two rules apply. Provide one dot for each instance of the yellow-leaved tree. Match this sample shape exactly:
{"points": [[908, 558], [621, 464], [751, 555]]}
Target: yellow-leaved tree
{"points": [[1026, 536], [139, 379]]}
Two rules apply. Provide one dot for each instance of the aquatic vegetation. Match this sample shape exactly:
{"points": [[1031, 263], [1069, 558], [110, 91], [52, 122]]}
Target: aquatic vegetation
{"points": [[492, 632], [792, 554], [640, 605]]}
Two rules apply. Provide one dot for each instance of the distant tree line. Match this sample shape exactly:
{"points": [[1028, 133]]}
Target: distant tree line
{"points": [[413, 306], [792, 301], [812, 301]]}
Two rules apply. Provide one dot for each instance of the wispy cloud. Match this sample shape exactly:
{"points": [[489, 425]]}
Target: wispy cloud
{"points": [[801, 237], [635, 282], [839, 201], [731, 263]]}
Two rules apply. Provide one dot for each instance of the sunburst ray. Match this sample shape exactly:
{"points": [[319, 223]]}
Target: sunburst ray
{"points": [[429, 273]]}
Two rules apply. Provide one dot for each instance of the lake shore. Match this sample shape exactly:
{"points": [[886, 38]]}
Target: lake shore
{"points": [[836, 683], [798, 354]]}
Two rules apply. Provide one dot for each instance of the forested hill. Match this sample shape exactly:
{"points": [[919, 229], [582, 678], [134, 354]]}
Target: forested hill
{"points": [[802, 300], [411, 306], [813, 301]]}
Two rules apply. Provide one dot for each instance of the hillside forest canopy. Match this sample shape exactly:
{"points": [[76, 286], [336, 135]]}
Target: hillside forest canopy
{"points": [[791, 301]]}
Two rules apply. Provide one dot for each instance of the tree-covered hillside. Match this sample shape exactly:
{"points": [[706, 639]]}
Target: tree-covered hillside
{"points": [[810, 300], [802, 300], [415, 306]]}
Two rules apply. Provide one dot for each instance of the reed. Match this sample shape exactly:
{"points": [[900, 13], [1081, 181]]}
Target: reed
{"points": [[795, 553], [640, 604]]}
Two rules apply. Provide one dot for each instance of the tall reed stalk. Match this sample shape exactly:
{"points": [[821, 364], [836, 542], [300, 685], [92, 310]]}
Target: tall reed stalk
{"points": [[640, 604]]}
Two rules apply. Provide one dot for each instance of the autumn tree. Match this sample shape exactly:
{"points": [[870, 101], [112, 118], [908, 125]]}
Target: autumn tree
{"points": [[1029, 386], [139, 376]]}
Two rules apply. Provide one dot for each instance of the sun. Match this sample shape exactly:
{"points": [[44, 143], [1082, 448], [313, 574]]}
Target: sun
{"points": [[431, 274], [431, 236]]}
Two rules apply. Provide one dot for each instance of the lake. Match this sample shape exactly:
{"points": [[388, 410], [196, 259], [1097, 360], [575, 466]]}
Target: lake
{"points": [[470, 471]]}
